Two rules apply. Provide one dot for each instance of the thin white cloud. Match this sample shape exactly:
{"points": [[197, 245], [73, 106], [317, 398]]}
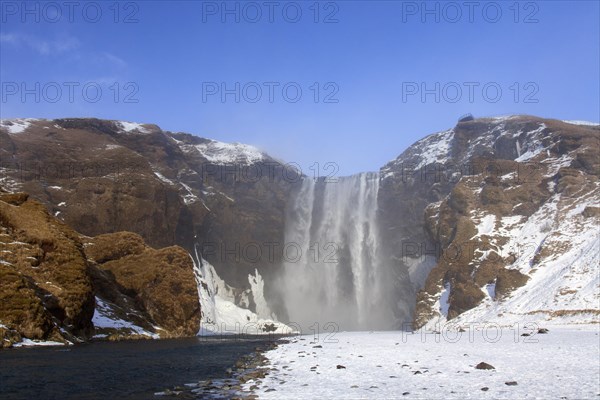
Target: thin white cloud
{"points": [[8, 38], [117, 61], [59, 45]]}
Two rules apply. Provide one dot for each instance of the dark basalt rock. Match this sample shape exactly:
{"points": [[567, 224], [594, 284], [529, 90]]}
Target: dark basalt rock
{"points": [[483, 365]]}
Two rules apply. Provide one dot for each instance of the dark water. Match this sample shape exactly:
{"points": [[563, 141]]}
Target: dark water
{"points": [[124, 370]]}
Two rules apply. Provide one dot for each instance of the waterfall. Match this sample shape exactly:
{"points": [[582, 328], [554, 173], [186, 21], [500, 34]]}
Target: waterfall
{"points": [[340, 276]]}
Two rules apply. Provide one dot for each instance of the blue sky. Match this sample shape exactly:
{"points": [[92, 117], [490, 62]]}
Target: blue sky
{"points": [[375, 58]]}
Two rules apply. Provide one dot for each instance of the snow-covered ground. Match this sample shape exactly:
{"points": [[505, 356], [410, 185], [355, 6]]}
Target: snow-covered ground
{"points": [[392, 365]]}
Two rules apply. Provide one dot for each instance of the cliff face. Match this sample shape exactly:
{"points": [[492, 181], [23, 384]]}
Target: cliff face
{"points": [[103, 176], [494, 219], [56, 285], [44, 285], [504, 211], [158, 282]]}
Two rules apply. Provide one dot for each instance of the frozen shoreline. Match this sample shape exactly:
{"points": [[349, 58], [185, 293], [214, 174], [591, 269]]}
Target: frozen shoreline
{"points": [[562, 363]]}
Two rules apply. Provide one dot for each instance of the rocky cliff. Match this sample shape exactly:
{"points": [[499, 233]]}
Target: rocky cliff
{"points": [[497, 220], [101, 176], [59, 286]]}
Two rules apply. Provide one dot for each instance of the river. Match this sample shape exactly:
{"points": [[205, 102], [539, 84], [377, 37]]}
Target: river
{"points": [[121, 370]]}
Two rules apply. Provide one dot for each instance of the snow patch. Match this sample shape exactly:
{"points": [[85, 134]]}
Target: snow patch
{"points": [[438, 152], [105, 317], [534, 144], [15, 126], [445, 300], [220, 153], [163, 178], [503, 118], [586, 123], [36, 343], [486, 225], [189, 197], [132, 127]]}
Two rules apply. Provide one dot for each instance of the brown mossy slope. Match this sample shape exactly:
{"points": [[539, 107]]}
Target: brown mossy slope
{"points": [[50, 276], [44, 283], [160, 281], [101, 178]]}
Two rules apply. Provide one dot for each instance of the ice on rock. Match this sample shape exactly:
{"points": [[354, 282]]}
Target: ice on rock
{"points": [[220, 314]]}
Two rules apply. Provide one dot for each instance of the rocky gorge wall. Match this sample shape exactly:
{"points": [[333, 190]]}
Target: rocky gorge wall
{"points": [[59, 286], [447, 212], [103, 176], [500, 213]]}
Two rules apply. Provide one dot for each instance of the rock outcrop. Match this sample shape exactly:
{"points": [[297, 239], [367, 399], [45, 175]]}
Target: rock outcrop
{"points": [[103, 176], [496, 218], [56, 285], [495, 205], [160, 282], [45, 291]]}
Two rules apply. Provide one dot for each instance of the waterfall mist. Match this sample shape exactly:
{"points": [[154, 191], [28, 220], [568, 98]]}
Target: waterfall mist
{"points": [[341, 276]]}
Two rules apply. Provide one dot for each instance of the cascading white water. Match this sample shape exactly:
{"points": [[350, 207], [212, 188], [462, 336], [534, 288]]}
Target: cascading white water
{"points": [[340, 276]]}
